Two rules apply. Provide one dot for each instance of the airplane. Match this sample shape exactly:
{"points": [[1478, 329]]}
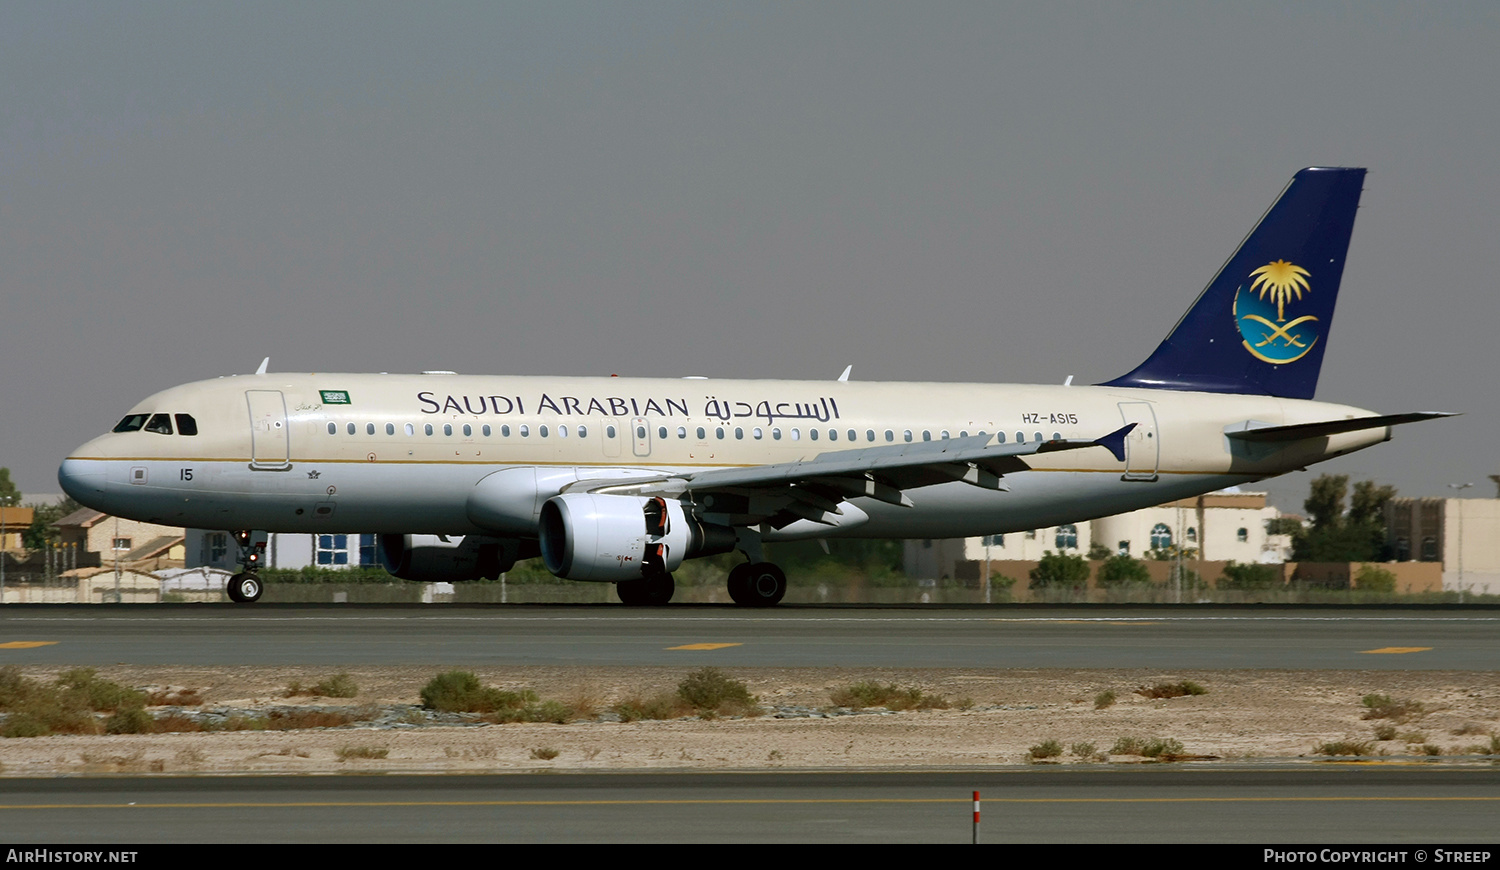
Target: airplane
{"points": [[620, 480]]}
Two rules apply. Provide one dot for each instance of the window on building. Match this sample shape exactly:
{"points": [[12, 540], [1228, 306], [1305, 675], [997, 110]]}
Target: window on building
{"points": [[367, 554], [1429, 549], [994, 540], [1123, 548], [1192, 534], [1243, 535], [1031, 535], [1067, 537], [121, 544], [1161, 537], [333, 550]]}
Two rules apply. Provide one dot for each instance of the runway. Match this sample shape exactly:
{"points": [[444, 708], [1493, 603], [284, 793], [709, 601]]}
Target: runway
{"points": [[1181, 804], [1406, 639]]}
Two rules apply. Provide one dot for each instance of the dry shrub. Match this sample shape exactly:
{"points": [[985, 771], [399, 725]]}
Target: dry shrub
{"points": [[710, 691], [1171, 690], [1345, 747], [858, 696], [292, 720], [1384, 707], [346, 753], [662, 706]]}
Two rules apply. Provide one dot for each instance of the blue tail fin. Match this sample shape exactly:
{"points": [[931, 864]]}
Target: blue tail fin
{"points": [[1262, 323]]}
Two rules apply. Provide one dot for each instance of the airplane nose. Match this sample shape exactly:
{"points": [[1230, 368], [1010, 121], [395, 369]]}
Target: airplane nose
{"points": [[83, 481]]}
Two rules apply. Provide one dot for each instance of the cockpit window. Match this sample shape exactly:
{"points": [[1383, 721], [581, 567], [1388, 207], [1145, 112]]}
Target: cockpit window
{"points": [[186, 425], [160, 424], [131, 423]]}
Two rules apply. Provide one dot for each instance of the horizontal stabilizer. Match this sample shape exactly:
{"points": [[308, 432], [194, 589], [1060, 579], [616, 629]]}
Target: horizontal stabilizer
{"points": [[1299, 431]]}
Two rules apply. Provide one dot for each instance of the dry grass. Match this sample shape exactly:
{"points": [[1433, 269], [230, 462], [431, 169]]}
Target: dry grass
{"points": [[1384, 707], [360, 753]]}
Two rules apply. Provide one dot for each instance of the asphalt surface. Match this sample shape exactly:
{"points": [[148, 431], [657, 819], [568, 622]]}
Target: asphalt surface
{"points": [[1408, 639], [1162, 804]]}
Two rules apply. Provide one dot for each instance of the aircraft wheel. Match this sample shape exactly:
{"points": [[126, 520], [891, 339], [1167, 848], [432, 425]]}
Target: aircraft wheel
{"points": [[765, 585], [739, 584], [244, 588], [653, 590]]}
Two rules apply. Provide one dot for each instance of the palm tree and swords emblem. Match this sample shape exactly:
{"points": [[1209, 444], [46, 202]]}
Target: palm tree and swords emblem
{"points": [[1272, 288]]}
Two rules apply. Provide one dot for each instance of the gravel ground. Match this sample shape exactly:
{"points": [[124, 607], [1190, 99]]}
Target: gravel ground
{"points": [[995, 719]]}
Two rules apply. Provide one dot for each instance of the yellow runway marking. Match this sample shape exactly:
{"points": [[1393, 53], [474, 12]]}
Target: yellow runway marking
{"points": [[705, 646], [26, 644], [1395, 650], [735, 802]]}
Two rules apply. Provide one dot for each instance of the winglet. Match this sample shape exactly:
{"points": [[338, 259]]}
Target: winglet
{"points": [[1114, 442], [263, 364]]}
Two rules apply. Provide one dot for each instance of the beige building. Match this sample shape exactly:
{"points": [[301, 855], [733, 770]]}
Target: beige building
{"points": [[1461, 533], [102, 540], [1220, 526], [14, 521]]}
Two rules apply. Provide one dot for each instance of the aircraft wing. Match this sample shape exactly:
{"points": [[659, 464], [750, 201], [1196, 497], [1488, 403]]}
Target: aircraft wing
{"points": [[813, 488]]}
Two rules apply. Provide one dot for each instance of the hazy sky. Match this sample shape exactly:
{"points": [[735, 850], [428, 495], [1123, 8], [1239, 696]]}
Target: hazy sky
{"points": [[930, 191]]}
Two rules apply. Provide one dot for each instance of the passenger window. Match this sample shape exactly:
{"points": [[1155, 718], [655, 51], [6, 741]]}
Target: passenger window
{"points": [[186, 425], [999, 437], [505, 431], [525, 430], [161, 424], [907, 435], [889, 435], [583, 431], [333, 428], [486, 430], [542, 430], [390, 428], [1038, 437], [813, 434], [609, 431], [132, 423], [776, 434], [682, 432], [661, 432], [562, 431], [350, 428], [796, 434], [468, 431], [720, 433], [926, 435], [739, 434], [944, 435], [702, 435], [427, 429], [369, 428], [1020, 437], [1056, 436], [448, 429], [410, 430], [833, 434], [869, 434], [756, 433]]}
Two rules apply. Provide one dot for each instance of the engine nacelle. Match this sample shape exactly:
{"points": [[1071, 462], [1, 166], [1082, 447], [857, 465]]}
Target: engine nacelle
{"points": [[438, 559], [585, 536]]}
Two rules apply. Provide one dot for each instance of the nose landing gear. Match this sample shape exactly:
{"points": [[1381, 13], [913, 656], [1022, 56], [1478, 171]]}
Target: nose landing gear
{"points": [[246, 586]]}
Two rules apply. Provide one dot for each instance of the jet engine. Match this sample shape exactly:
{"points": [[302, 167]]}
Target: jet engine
{"points": [[585, 536], [445, 559]]}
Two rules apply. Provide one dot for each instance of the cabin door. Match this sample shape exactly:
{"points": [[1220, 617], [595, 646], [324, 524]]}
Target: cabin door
{"points": [[270, 448], [1142, 445]]}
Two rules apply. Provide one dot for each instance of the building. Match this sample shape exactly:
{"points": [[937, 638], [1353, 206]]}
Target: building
{"points": [[101, 539], [1461, 533], [1217, 527], [14, 522], [213, 549]]}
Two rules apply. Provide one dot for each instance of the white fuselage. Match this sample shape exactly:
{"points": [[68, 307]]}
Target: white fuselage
{"points": [[402, 453]]}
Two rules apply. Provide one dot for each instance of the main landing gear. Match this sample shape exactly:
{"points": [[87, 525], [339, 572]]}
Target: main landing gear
{"points": [[652, 590], [757, 584], [245, 587]]}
